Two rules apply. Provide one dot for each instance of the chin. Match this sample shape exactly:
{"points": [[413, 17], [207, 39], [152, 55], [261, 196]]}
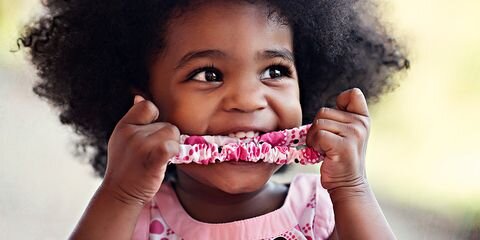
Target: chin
{"points": [[232, 178], [239, 184]]}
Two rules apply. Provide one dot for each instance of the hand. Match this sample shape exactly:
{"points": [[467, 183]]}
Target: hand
{"points": [[342, 133], [138, 151]]}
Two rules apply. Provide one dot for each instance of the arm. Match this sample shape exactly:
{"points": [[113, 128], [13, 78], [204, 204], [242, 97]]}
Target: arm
{"points": [[107, 217], [342, 134], [358, 215], [138, 151]]}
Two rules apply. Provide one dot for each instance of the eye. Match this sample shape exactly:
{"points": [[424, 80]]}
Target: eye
{"points": [[206, 74], [276, 71]]}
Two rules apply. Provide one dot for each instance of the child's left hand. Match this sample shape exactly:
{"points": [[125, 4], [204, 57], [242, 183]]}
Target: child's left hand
{"points": [[342, 133]]}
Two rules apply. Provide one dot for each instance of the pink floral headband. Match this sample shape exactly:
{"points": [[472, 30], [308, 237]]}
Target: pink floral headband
{"points": [[281, 147]]}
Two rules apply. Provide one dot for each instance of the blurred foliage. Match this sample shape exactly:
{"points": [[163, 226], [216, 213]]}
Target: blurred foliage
{"points": [[428, 128], [424, 145], [13, 15]]}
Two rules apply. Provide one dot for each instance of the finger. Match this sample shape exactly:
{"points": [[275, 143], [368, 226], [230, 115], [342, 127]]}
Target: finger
{"points": [[335, 127], [151, 129], [335, 114], [137, 99], [353, 101], [325, 141], [313, 130], [164, 130], [163, 151], [157, 154], [141, 113]]}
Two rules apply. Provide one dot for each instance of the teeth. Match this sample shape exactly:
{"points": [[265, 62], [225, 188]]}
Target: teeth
{"points": [[240, 134], [249, 134]]}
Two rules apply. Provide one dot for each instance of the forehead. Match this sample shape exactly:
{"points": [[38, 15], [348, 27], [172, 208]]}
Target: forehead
{"points": [[227, 25]]}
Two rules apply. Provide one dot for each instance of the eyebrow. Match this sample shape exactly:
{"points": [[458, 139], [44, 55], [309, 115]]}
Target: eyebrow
{"points": [[283, 53]]}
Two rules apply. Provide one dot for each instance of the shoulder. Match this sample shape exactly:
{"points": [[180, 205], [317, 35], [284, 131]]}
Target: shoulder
{"points": [[302, 178], [311, 199], [150, 221], [308, 186]]}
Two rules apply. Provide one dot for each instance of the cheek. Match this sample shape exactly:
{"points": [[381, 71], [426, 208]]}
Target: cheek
{"points": [[189, 114], [294, 112], [179, 105], [287, 106]]}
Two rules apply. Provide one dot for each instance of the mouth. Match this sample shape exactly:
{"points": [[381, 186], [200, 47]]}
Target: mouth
{"points": [[245, 164], [245, 134], [240, 162], [248, 146]]}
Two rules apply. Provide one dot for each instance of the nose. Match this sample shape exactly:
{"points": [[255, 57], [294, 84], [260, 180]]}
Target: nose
{"points": [[245, 95]]}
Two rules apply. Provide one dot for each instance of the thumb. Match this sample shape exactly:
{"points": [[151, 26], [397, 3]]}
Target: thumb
{"points": [[137, 99], [353, 101], [141, 113]]}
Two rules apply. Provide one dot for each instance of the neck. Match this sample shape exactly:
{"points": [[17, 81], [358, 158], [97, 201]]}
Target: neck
{"points": [[208, 204]]}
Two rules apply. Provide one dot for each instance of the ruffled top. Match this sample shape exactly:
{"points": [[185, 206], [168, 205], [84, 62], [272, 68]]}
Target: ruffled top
{"points": [[307, 213]]}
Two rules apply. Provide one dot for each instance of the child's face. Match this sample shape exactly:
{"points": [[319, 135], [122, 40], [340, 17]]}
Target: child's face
{"points": [[224, 69]]}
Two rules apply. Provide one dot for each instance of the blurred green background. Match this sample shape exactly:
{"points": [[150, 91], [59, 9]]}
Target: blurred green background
{"points": [[424, 149]]}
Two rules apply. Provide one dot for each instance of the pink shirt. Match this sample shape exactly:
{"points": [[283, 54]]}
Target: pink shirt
{"points": [[306, 214]]}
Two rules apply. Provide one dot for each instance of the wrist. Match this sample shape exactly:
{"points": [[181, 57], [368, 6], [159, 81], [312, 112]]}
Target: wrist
{"points": [[107, 217], [358, 214], [118, 196], [357, 191]]}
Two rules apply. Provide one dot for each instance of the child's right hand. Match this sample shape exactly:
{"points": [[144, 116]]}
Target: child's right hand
{"points": [[138, 151]]}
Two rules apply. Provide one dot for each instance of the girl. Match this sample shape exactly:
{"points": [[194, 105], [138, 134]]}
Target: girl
{"points": [[217, 68]]}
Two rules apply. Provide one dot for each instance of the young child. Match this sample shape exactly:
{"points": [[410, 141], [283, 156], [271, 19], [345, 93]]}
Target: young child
{"points": [[217, 68]]}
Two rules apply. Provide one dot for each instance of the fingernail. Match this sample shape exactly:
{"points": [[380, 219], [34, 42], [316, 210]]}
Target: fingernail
{"points": [[136, 99], [358, 91]]}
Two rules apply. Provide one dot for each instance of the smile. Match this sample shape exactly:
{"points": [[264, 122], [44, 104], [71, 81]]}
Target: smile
{"points": [[241, 134]]}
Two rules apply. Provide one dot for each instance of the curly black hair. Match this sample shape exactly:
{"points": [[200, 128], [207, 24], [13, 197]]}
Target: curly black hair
{"points": [[89, 54]]}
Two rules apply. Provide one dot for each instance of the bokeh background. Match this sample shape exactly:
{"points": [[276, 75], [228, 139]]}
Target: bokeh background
{"points": [[423, 158]]}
